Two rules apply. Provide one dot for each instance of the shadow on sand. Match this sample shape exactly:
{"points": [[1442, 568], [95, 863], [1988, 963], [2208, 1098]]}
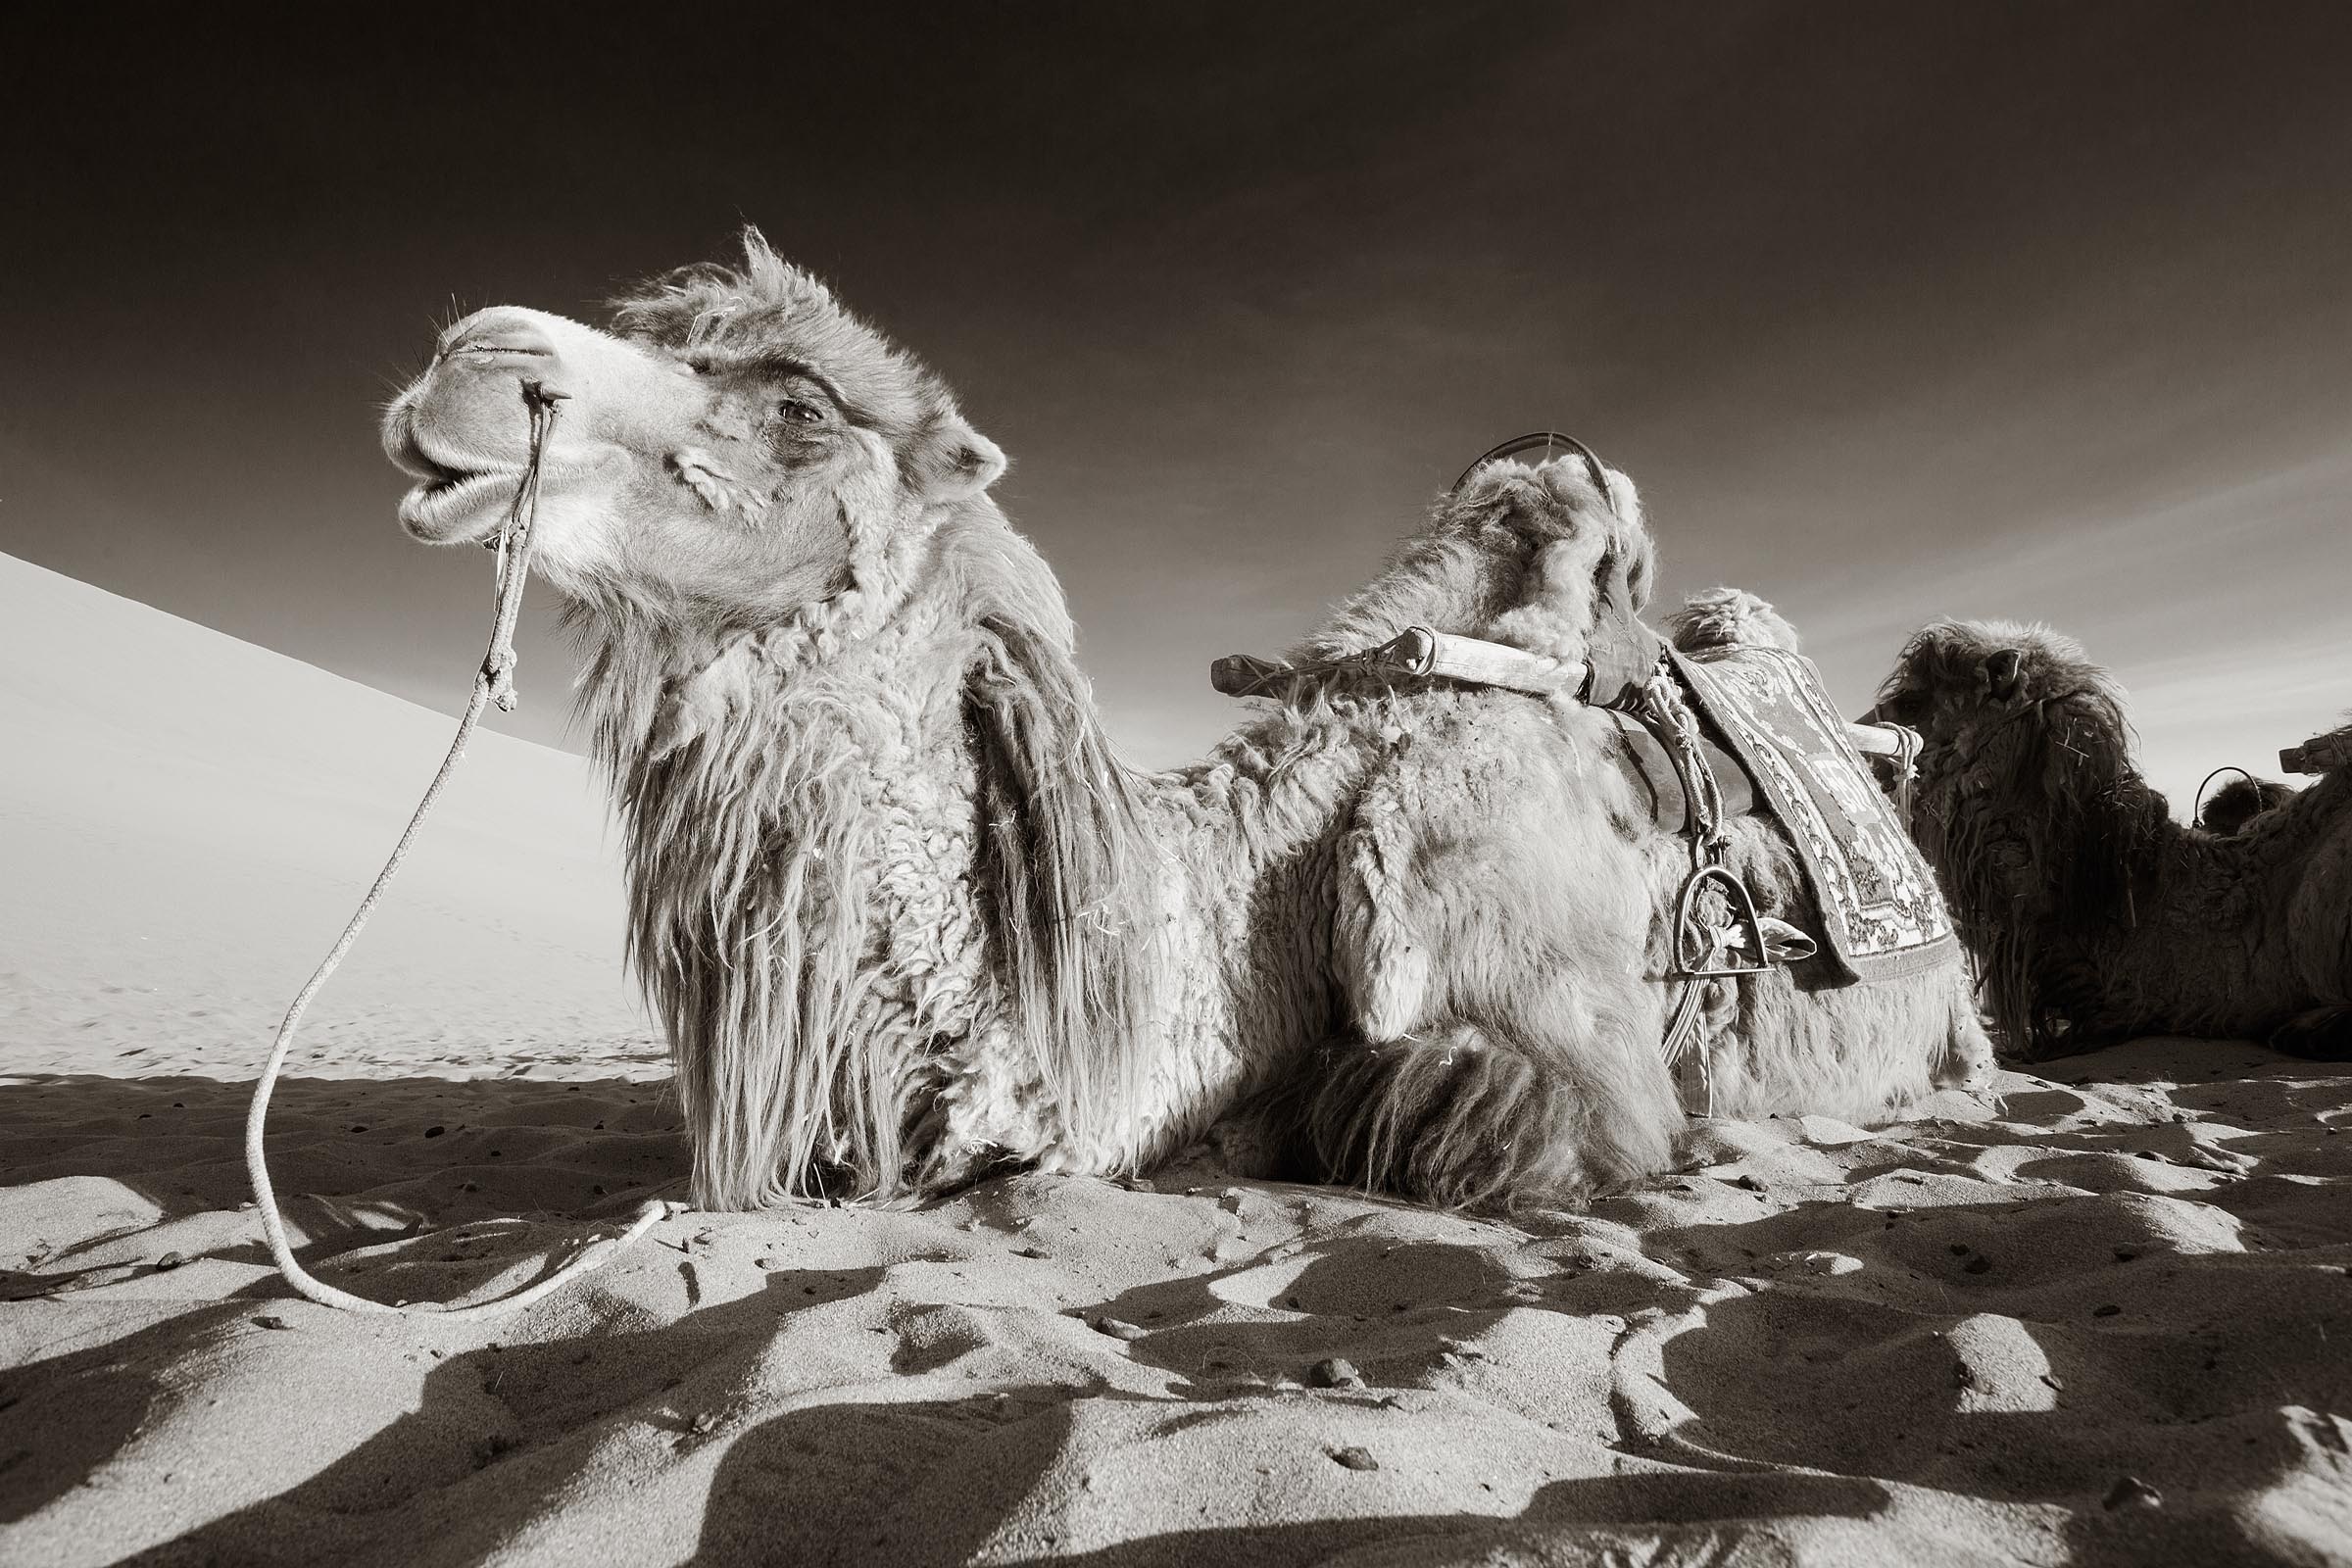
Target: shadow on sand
{"points": [[2027, 1351]]}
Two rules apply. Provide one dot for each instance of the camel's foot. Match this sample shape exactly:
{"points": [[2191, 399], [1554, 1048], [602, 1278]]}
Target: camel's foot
{"points": [[1969, 1061], [2323, 1034]]}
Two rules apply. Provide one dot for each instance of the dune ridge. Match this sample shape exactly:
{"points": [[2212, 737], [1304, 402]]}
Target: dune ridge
{"points": [[187, 821]]}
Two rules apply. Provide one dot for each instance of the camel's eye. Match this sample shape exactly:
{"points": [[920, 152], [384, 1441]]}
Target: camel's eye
{"points": [[799, 410]]}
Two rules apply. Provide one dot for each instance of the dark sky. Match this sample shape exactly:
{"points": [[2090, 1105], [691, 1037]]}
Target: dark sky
{"points": [[1891, 311]]}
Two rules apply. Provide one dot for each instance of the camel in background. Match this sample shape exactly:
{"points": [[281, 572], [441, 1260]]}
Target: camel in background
{"points": [[2240, 800], [2094, 916]]}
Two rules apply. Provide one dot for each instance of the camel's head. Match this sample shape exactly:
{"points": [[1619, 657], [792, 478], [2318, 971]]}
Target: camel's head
{"points": [[1955, 677], [737, 447]]}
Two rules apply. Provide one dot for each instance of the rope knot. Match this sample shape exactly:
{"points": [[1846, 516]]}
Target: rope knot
{"points": [[497, 680]]}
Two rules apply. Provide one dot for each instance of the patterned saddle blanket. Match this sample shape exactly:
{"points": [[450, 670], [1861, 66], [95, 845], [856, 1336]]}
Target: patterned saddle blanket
{"points": [[1881, 912]]}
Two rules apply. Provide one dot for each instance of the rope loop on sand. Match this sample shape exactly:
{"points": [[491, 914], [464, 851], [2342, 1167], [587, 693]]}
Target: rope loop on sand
{"points": [[494, 683]]}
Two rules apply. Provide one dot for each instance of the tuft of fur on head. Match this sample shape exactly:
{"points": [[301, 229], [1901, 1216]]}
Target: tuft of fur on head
{"points": [[769, 309], [2029, 804], [1727, 618], [1520, 553]]}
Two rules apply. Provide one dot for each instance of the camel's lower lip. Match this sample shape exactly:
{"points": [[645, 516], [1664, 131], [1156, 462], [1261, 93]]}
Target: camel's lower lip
{"points": [[459, 509]]}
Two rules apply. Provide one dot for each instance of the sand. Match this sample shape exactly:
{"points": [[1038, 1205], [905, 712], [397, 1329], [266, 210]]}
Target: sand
{"points": [[2098, 1313]]}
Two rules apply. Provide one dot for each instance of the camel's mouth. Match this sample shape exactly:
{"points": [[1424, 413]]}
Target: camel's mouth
{"points": [[453, 504]]}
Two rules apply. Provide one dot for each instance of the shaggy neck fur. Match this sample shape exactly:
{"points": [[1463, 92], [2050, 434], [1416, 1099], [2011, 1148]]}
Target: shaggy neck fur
{"points": [[864, 843], [2040, 829]]}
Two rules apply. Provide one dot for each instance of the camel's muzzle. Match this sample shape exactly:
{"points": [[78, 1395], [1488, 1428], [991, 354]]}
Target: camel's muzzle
{"points": [[455, 429], [458, 433]]}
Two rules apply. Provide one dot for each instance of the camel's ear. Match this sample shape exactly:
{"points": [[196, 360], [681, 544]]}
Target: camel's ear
{"points": [[952, 461], [2003, 667]]}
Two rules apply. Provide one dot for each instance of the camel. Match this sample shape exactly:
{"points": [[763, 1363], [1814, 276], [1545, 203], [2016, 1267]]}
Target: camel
{"points": [[907, 921], [2094, 916], [2240, 800]]}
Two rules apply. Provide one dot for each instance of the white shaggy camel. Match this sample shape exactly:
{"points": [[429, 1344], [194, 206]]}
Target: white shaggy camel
{"points": [[2095, 917], [907, 918]]}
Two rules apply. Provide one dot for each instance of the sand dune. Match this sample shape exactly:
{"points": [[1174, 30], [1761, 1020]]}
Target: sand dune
{"points": [[187, 821], [2098, 1315]]}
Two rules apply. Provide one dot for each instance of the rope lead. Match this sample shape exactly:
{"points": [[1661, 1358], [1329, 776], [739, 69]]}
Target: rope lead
{"points": [[494, 683]]}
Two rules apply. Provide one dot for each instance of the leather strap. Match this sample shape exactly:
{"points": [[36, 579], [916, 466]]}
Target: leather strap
{"points": [[1644, 761]]}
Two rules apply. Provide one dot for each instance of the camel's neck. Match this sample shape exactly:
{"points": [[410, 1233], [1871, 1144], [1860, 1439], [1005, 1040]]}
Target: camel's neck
{"points": [[2008, 802], [2053, 850], [798, 847], [899, 906]]}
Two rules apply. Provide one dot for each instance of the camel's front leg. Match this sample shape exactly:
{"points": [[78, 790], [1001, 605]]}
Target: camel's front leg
{"points": [[1493, 954]]}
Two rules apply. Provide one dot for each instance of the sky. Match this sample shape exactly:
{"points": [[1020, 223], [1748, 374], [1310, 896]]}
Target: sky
{"points": [[2037, 311]]}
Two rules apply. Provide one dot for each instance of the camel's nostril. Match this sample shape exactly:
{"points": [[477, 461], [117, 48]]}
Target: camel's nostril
{"points": [[503, 331], [508, 344]]}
